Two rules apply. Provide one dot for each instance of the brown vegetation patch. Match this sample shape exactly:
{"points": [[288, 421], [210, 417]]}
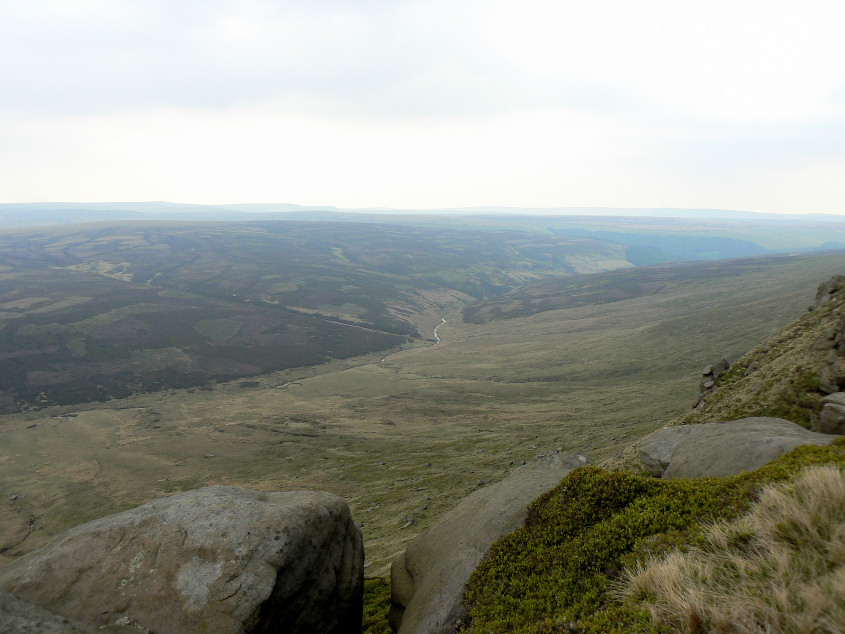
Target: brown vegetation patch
{"points": [[780, 568], [84, 471]]}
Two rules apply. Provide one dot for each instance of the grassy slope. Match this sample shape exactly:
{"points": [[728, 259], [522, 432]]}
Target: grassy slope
{"points": [[403, 440], [558, 572], [779, 377]]}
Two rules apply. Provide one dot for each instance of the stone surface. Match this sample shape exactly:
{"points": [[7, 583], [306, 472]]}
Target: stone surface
{"points": [[828, 379], [832, 419], [828, 288], [401, 591], [837, 398], [437, 564], [217, 559], [723, 449], [712, 372], [657, 448], [21, 617]]}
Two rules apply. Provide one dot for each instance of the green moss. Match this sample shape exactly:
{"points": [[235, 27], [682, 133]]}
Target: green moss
{"points": [[376, 605], [555, 573]]}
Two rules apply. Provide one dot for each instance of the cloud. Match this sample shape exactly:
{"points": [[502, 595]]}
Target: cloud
{"points": [[99, 57], [537, 102], [415, 58]]}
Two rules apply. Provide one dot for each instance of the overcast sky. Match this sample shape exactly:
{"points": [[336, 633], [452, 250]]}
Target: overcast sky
{"points": [[737, 104]]}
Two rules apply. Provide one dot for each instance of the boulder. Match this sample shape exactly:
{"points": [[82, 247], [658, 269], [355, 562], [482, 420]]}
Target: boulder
{"points": [[656, 449], [831, 378], [832, 418], [217, 559], [722, 449], [428, 579]]}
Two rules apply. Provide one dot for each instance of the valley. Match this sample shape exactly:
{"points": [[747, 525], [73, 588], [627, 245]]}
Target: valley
{"points": [[404, 438], [95, 312]]}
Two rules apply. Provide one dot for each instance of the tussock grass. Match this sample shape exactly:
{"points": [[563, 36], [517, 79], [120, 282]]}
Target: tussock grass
{"points": [[779, 568], [564, 569]]}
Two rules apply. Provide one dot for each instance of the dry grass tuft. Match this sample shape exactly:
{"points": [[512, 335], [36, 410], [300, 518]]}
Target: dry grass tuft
{"points": [[780, 568]]}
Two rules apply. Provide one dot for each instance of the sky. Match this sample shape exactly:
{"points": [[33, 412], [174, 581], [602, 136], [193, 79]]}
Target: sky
{"points": [[426, 104]]}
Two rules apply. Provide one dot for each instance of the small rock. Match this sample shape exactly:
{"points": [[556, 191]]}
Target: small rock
{"points": [[409, 520], [14, 497], [209, 455]]}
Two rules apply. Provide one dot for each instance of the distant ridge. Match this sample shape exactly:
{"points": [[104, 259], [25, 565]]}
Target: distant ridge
{"points": [[53, 213]]}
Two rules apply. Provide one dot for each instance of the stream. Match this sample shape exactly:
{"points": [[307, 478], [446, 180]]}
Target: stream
{"points": [[436, 337]]}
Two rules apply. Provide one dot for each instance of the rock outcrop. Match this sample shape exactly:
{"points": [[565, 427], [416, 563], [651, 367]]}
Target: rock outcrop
{"points": [[428, 579], [832, 374], [217, 559], [712, 372], [832, 416], [724, 448], [826, 290]]}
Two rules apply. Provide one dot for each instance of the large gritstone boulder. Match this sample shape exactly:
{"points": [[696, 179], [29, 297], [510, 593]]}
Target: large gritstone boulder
{"points": [[217, 559], [428, 579], [722, 449]]}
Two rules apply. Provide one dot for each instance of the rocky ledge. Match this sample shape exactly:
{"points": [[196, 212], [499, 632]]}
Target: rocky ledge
{"points": [[724, 448]]}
